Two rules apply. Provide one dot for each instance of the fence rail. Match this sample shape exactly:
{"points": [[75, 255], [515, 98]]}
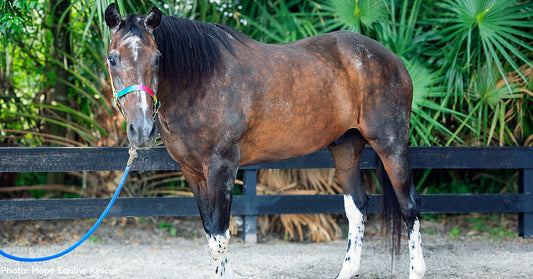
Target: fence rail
{"points": [[249, 205]]}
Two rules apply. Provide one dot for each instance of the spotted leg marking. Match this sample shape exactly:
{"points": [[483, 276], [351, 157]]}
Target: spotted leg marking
{"points": [[356, 231], [218, 245], [418, 266]]}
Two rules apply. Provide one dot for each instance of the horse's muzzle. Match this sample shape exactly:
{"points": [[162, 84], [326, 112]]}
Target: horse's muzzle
{"points": [[142, 132]]}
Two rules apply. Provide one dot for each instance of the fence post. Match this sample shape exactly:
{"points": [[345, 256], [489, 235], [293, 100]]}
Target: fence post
{"points": [[249, 224], [525, 186]]}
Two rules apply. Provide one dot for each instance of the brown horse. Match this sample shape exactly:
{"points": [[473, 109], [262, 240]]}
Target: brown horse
{"points": [[229, 101]]}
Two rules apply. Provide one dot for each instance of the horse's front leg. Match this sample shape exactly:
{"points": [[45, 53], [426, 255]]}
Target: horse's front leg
{"points": [[213, 190]]}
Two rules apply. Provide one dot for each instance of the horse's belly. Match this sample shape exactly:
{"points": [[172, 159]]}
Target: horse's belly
{"points": [[272, 146], [268, 156]]}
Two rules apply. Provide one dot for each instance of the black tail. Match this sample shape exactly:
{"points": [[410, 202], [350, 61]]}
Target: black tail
{"points": [[391, 208]]}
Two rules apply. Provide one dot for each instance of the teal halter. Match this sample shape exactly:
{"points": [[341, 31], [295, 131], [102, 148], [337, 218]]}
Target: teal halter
{"points": [[129, 89]]}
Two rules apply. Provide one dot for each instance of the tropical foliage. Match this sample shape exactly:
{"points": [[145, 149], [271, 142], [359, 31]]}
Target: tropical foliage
{"points": [[470, 63]]}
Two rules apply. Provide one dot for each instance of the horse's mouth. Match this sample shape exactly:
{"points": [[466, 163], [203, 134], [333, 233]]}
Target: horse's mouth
{"points": [[146, 144], [143, 147]]}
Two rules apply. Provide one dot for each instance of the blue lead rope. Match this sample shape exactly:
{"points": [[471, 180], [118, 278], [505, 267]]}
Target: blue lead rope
{"points": [[133, 154]]}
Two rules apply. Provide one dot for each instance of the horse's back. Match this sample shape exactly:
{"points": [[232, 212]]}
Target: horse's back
{"points": [[364, 69]]}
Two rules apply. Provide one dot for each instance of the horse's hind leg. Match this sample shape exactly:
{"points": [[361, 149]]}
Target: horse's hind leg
{"points": [[347, 151], [392, 149]]}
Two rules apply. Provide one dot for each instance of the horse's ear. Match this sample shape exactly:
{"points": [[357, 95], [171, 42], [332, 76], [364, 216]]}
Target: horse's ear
{"points": [[153, 19], [112, 17]]}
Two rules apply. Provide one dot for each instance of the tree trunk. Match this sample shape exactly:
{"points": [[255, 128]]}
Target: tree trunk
{"points": [[60, 20]]}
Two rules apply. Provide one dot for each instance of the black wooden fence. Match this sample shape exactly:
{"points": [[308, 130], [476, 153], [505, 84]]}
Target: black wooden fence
{"points": [[250, 205]]}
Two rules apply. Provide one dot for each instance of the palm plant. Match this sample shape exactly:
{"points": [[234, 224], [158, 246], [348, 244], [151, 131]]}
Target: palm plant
{"points": [[494, 108], [360, 15], [87, 104], [429, 113], [477, 33], [480, 43], [203, 10], [85, 114], [286, 21]]}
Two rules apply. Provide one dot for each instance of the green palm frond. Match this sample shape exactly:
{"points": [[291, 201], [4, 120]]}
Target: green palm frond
{"points": [[360, 14], [285, 21], [490, 32], [429, 108], [489, 107]]}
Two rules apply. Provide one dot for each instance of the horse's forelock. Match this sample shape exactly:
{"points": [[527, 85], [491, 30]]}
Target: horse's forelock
{"points": [[133, 26]]}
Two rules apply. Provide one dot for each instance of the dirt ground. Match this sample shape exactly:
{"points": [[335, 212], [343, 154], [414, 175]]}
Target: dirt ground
{"points": [[144, 251]]}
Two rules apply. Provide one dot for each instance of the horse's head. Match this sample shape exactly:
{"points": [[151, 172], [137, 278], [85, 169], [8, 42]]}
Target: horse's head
{"points": [[133, 62]]}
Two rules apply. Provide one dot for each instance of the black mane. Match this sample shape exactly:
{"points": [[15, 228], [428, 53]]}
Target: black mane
{"points": [[190, 50]]}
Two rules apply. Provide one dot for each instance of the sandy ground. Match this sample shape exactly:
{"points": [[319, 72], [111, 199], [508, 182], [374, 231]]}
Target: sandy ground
{"points": [[145, 254]]}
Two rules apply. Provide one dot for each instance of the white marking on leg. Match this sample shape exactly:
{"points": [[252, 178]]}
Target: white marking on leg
{"points": [[417, 268], [356, 231], [218, 245]]}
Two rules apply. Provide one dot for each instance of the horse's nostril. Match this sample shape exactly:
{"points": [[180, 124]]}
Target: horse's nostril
{"points": [[132, 131], [153, 133]]}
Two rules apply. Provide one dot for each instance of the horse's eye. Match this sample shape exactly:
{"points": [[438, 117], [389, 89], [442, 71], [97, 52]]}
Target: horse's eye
{"points": [[157, 59], [112, 60]]}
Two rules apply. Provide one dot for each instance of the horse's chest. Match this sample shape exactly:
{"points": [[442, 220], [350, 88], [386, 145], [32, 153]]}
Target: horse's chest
{"points": [[192, 139], [176, 140]]}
